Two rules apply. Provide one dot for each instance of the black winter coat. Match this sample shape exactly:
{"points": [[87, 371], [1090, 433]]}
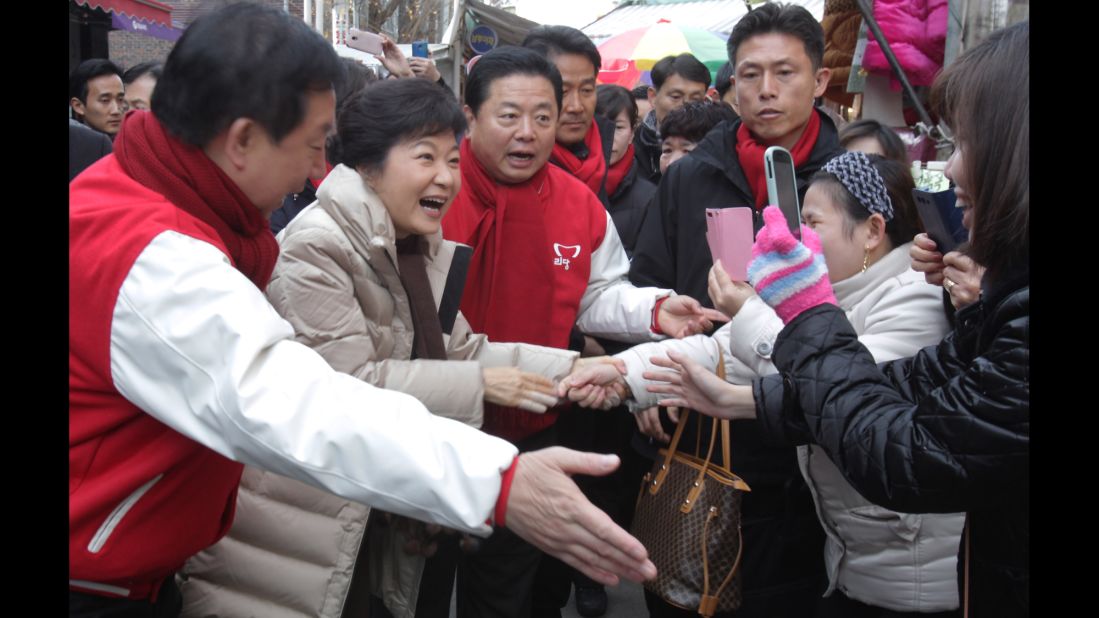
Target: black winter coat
{"points": [[947, 430], [628, 206], [646, 149], [671, 249]]}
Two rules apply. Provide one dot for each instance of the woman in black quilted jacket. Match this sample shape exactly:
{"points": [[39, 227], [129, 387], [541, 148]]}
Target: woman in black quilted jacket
{"points": [[948, 429]]}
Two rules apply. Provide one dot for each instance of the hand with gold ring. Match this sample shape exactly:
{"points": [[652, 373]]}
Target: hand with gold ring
{"points": [[962, 279]]}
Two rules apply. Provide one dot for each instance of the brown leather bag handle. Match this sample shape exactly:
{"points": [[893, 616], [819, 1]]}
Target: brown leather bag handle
{"points": [[707, 605]]}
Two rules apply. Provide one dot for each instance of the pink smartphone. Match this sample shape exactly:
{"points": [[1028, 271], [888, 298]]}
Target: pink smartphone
{"points": [[730, 233], [364, 41]]}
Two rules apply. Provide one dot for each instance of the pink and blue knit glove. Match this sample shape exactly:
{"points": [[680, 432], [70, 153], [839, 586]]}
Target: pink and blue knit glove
{"points": [[788, 275]]}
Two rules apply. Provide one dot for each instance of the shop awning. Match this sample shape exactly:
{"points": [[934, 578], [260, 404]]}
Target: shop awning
{"points": [[153, 29], [148, 11]]}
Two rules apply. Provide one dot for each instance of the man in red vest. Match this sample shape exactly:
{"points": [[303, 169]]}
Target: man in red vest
{"points": [[180, 371], [546, 257]]}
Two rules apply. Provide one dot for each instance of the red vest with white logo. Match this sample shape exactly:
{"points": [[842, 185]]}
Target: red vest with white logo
{"points": [[575, 224], [142, 497]]}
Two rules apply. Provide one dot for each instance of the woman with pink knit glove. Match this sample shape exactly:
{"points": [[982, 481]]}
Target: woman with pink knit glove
{"points": [[788, 275]]}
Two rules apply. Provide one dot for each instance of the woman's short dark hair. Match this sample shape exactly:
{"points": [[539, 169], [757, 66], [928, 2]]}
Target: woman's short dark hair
{"points": [[891, 144], [984, 97], [552, 41], [898, 184], [611, 100], [242, 60], [684, 65], [504, 62], [789, 19], [375, 119], [695, 119]]}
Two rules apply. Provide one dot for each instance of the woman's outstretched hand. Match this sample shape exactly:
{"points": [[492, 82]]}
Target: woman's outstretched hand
{"points": [[687, 384]]}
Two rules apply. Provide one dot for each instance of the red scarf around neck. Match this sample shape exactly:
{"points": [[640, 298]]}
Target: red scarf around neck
{"points": [[750, 154], [618, 171], [590, 170], [196, 185], [505, 226]]}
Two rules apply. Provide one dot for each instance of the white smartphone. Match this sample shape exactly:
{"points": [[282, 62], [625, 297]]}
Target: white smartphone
{"points": [[782, 186], [364, 41]]}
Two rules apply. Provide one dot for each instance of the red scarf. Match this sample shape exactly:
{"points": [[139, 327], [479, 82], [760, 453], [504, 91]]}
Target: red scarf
{"points": [[504, 225], [619, 170], [750, 154], [590, 170], [196, 185]]}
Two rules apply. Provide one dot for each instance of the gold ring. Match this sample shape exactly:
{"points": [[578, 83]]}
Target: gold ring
{"points": [[948, 284]]}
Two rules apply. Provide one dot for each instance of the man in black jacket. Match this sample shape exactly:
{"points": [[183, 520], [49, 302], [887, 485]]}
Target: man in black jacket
{"points": [[676, 80], [777, 54]]}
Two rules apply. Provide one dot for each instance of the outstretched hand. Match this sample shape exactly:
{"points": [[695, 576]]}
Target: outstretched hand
{"points": [[688, 384], [595, 383], [547, 509], [683, 316], [509, 386]]}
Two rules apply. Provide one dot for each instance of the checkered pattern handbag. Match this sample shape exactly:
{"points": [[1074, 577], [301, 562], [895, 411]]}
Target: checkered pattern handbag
{"points": [[688, 517]]}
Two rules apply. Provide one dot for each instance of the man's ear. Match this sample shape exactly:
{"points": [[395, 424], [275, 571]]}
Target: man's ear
{"points": [[471, 118], [823, 76], [241, 139], [78, 107], [651, 94]]}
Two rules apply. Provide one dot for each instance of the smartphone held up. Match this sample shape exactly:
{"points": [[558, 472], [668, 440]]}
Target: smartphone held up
{"points": [[364, 41], [782, 186]]}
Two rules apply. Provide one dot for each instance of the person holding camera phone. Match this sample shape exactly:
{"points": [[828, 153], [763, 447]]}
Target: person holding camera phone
{"points": [[862, 208], [947, 429]]}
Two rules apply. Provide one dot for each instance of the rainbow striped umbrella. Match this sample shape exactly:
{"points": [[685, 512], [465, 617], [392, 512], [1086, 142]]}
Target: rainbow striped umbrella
{"points": [[628, 57]]}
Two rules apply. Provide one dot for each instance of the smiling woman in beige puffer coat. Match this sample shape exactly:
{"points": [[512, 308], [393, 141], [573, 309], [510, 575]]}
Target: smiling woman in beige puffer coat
{"points": [[363, 278]]}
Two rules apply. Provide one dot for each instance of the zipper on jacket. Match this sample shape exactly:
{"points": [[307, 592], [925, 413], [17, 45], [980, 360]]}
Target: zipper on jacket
{"points": [[112, 521]]}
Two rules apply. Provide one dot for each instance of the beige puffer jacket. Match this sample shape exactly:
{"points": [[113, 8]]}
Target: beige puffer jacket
{"points": [[293, 549]]}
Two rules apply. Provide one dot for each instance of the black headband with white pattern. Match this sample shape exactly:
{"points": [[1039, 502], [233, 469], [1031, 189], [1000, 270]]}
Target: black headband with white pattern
{"points": [[858, 176]]}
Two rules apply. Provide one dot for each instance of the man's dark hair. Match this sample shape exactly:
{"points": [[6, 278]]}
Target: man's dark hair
{"points": [[641, 91], [897, 177], [242, 61], [782, 18], [611, 100], [891, 144], [87, 71], [375, 119], [132, 74], [694, 120], [552, 41], [684, 65], [722, 83], [504, 62], [358, 76]]}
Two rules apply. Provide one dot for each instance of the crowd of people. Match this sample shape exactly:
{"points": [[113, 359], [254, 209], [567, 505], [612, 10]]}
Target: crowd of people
{"points": [[347, 340]]}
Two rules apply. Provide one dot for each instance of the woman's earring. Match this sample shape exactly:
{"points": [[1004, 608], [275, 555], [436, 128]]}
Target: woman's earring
{"points": [[866, 258]]}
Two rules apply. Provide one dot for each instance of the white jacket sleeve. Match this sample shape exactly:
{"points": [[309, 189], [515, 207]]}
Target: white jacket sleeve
{"points": [[197, 346], [612, 307], [750, 337]]}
